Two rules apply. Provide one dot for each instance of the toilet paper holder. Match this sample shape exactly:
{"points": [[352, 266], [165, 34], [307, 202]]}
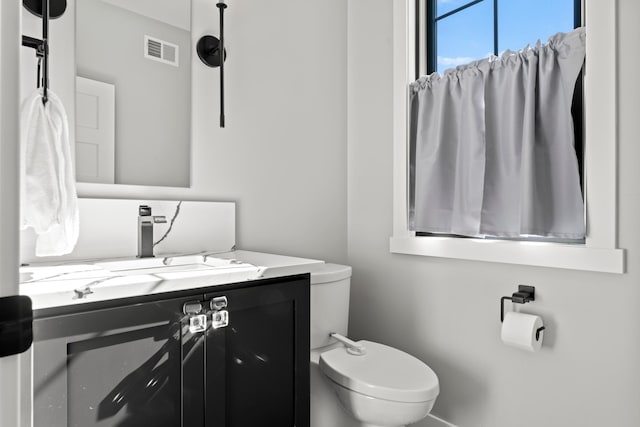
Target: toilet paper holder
{"points": [[524, 295]]}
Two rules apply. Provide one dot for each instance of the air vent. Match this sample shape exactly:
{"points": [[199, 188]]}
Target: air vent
{"points": [[162, 51]]}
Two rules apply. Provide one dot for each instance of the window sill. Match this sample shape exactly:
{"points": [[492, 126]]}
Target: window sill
{"points": [[540, 254]]}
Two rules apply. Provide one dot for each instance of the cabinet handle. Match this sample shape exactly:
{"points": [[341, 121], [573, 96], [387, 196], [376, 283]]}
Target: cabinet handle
{"points": [[197, 319], [198, 323], [218, 303], [219, 317], [193, 307]]}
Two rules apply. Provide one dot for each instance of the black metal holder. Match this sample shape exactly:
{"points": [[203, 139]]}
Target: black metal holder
{"points": [[221, 6], [208, 49], [524, 295], [540, 329], [46, 11]]}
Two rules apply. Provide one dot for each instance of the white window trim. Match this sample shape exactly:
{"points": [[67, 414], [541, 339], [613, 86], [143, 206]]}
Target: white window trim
{"points": [[600, 251]]}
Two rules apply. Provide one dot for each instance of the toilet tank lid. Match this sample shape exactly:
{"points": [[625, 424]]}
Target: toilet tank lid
{"points": [[326, 273]]}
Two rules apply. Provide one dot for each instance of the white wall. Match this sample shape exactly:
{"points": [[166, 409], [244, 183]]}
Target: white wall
{"points": [[282, 156], [447, 312]]}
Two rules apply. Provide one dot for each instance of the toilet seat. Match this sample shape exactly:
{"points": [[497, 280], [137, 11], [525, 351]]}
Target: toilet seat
{"points": [[383, 373]]}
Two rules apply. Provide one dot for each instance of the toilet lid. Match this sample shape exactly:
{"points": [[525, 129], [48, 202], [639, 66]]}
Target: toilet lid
{"points": [[383, 372]]}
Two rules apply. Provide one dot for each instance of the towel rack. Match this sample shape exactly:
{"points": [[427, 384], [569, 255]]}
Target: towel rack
{"points": [[46, 9]]}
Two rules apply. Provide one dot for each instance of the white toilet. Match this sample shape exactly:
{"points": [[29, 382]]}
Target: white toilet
{"points": [[382, 387]]}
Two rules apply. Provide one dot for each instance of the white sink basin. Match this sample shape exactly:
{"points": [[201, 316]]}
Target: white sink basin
{"points": [[169, 264], [105, 272]]}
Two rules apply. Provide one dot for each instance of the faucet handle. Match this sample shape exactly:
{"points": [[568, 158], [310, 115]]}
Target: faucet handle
{"points": [[144, 210]]}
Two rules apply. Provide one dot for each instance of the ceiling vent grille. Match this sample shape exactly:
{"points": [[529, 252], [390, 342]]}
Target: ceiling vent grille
{"points": [[159, 50]]}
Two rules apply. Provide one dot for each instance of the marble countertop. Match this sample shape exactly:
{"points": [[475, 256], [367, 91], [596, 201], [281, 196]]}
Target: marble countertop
{"points": [[78, 282]]}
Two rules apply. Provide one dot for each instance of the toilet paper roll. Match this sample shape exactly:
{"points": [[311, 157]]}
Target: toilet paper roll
{"points": [[519, 330]]}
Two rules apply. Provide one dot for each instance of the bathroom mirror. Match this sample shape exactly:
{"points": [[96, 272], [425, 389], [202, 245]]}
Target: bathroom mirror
{"points": [[133, 92]]}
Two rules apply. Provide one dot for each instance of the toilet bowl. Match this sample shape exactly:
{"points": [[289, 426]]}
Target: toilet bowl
{"points": [[382, 387]]}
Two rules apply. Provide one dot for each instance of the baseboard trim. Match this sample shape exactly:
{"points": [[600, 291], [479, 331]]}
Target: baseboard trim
{"points": [[433, 421]]}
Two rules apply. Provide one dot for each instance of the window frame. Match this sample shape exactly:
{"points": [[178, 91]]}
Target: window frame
{"points": [[600, 250]]}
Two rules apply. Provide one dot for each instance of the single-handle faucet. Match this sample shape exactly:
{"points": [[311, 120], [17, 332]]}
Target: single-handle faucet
{"points": [[145, 230]]}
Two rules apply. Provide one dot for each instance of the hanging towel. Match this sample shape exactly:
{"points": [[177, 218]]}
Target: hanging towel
{"points": [[49, 202]]}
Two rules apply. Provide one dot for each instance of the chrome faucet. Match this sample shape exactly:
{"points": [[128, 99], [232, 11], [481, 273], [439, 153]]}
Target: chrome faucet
{"points": [[145, 230]]}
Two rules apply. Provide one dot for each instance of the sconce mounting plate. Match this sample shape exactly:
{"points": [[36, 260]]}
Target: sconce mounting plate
{"points": [[209, 51], [56, 7]]}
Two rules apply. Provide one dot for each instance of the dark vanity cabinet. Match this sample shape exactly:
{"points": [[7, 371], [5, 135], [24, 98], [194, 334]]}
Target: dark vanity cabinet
{"points": [[226, 356]]}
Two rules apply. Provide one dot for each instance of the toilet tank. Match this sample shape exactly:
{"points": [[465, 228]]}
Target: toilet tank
{"points": [[330, 284]]}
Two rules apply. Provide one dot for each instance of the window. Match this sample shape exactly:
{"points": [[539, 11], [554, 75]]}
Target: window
{"points": [[600, 251], [532, 191], [457, 32]]}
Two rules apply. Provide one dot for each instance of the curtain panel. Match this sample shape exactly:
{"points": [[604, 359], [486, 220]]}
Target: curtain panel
{"points": [[492, 145]]}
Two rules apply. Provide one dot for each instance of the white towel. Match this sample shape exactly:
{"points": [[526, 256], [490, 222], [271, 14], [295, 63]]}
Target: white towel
{"points": [[49, 202]]}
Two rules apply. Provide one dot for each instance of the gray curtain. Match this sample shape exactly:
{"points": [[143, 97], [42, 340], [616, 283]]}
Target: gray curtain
{"points": [[492, 145]]}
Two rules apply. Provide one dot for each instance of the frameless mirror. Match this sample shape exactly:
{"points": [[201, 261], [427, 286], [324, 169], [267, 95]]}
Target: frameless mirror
{"points": [[133, 92]]}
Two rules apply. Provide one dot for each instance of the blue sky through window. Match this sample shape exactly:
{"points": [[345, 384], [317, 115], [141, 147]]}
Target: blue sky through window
{"points": [[468, 35]]}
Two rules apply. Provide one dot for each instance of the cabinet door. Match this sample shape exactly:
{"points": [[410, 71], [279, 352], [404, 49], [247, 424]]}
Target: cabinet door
{"points": [[257, 367], [129, 366]]}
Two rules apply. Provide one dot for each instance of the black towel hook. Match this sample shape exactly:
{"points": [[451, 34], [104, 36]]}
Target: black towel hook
{"points": [[47, 11]]}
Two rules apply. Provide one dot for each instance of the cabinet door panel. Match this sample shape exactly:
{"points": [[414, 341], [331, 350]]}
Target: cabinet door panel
{"points": [[257, 367], [118, 367], [249, 368], [124, 379]]}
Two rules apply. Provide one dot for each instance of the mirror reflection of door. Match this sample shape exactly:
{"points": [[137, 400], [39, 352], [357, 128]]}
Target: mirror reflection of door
{"points": [[95, 131]]}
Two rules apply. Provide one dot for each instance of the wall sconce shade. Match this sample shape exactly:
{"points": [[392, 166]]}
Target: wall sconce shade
{"points": [[56, 7], [208, 49]]}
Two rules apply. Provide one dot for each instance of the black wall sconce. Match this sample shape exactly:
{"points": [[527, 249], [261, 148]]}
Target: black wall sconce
{"points": [[212, 53]]}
